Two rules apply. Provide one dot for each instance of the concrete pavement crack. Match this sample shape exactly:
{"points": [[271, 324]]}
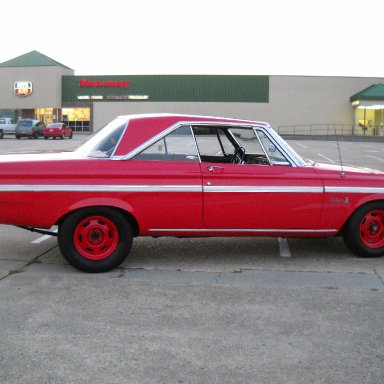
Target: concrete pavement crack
{"points": [[378, 276], [23, 267]]}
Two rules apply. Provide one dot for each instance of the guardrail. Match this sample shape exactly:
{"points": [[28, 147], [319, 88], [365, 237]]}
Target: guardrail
{"points": [[330, 130]]}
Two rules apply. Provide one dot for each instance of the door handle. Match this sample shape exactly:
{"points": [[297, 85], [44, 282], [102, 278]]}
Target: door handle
{"points": [[212, 168]]}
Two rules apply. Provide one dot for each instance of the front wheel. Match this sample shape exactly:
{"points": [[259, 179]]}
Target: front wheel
{"points": [[95, 239], [364, 232]]}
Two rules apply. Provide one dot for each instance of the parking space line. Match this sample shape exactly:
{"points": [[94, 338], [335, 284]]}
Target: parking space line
{"points": [[41, 239], [284, 247], [375, 157], [326, 158]]}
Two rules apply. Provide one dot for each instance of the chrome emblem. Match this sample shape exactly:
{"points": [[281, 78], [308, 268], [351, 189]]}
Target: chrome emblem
{"points": [[23, 88]]}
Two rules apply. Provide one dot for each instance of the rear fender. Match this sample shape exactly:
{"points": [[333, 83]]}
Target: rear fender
{"points": [[123, 206], [107, 202]]}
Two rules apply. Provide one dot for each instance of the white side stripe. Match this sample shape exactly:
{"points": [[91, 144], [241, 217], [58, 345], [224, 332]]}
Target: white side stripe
{"points": [[184, 188], [100, 188], [264, 189], [354, 189]]}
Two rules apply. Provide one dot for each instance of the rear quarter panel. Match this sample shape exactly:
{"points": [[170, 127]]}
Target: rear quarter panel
{"points": [[40, 193]]}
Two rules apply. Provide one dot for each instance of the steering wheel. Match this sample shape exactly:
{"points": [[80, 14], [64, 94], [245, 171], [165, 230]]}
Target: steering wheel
{"points": [[238, 156]]}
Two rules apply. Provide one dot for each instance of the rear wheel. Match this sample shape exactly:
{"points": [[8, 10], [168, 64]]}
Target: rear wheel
{"points": [[364, 232], [95, 239]]}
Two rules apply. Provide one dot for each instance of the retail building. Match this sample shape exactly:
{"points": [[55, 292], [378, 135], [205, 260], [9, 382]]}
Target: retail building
{"points": [[34, 85]]}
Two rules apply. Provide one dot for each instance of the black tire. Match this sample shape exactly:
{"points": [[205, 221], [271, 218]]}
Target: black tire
{"points": [[1, 134], [364, 232], [95, 239]]}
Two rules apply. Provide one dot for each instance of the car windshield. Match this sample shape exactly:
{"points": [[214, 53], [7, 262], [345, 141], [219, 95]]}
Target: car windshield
{"points": [[104, 142]]}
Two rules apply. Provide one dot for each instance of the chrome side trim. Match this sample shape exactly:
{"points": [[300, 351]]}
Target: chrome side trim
{"points": [[183, 188], [100, 188], [263, 189], [190, 230], [354, 189]]}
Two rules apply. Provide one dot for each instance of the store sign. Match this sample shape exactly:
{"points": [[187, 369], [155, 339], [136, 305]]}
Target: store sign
{"points": [[104, 83], [22, 88]]}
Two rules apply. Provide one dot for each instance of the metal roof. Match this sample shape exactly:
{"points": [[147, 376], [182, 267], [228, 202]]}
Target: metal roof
{"points": [[32, 59], [374, 92]]}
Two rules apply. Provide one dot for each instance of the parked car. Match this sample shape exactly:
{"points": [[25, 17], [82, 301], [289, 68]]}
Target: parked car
{"points": [[57, 130], [30, 128], [186, 176], [7, 126]]}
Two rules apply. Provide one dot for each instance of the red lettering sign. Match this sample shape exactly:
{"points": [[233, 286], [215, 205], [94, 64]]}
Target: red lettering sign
{"points": [[103, 84]]}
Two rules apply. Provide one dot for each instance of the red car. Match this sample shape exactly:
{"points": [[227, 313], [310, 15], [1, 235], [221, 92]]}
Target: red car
{"points": [[186, 176], [57, 130]]}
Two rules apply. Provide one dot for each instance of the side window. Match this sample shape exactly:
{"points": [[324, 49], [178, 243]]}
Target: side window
{"points": [[213, 144], [207, 141], [179, 145]]}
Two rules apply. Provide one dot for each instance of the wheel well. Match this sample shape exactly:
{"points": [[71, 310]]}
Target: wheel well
{"points": [[131, 219], [358, 208]]}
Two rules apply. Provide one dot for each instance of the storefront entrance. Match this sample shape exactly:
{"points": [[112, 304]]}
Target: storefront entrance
{"points": [[370, 119], [369, 110]]}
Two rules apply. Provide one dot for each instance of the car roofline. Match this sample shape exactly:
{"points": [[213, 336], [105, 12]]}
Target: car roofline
{"points": [[186, 118], [167, 131]]}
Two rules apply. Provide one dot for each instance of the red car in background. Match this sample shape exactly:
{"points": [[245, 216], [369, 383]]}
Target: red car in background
{"points": [[57, 130], [186, 176]]}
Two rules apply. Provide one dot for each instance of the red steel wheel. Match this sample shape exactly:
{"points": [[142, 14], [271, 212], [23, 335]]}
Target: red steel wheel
{"points": [[372, 229], [95, 239], [364, 231]]}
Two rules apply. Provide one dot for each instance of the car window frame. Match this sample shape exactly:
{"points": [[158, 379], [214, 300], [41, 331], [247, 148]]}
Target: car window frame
{"points": [[168, 156], [293, 158]]}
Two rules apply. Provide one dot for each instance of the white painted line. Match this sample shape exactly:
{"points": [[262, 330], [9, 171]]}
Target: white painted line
{"points": [[339, 146], [44, 237], [326, 158], [284, 247], [301, 145], [375, 157], [41, 239]]}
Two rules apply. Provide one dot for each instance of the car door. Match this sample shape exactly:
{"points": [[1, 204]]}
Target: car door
{"points": [[168, 171], [264, 195]]}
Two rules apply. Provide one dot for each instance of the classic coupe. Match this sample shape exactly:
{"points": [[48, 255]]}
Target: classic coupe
{"points": [[186, 176]]}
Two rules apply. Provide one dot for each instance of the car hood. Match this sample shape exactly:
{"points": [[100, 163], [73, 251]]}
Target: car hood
{"points": [[345, 168]]}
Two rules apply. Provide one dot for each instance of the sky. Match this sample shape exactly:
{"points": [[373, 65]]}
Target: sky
{"points": [[233, 37]]}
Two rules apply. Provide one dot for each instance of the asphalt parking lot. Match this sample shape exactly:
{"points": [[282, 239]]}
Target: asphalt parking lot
{"points": [[223, 310]]}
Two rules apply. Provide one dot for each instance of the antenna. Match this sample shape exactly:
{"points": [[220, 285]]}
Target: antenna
{"points": [[338, 148]]}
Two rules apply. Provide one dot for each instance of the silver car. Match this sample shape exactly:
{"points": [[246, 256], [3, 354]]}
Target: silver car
{"points": [[30, 128]]}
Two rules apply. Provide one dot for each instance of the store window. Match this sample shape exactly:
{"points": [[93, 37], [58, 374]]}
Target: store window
{"points": [[77, 118], [370, 119], [47, 115]]}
